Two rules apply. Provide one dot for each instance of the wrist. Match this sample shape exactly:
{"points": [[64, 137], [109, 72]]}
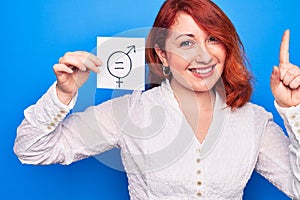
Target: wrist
{"points": [[63, 97], [285, 105]]}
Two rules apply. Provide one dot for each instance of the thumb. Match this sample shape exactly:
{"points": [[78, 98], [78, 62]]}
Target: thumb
{"points": [[275, 78]]}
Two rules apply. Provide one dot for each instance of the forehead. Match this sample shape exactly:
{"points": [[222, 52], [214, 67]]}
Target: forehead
{"points": [[184, 23]]}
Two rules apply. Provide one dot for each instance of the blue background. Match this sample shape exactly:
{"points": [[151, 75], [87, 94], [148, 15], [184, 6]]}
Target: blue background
{"points": [[34, 34]]}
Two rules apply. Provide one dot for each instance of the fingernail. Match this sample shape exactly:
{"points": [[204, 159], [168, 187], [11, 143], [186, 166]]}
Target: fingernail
{"points": [[97, 69], [275, 71]]}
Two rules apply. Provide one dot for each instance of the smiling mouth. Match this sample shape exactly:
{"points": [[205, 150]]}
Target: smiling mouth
{"points": [[202, 71]]}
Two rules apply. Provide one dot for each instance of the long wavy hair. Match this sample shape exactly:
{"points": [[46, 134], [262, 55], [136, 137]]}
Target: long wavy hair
{"points": [[236, 78]]}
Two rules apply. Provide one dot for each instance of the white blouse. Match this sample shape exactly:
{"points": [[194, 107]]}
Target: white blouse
{"points": [[161, 155]]}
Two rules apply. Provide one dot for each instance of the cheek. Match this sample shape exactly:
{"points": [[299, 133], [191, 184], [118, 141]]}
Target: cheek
{"points": [[223, 57], [182, 55], [177, 61], [222, 53], [219, 53], [176, 57]]}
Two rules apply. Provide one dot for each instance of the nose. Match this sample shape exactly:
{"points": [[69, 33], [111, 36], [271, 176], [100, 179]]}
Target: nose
{"points": [[203, 55]]}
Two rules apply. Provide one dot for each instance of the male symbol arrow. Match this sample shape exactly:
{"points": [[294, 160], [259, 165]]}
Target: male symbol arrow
{"points": [[132, 47]]}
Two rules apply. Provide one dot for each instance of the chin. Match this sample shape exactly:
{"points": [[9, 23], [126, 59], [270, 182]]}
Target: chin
{"points": [[202, 89], [203, 86]]}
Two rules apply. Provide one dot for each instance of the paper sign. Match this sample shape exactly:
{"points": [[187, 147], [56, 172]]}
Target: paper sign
{"points": [[123, 63]]}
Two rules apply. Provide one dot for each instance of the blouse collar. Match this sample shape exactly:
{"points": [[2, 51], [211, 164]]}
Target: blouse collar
{"points": [[218, 120]]}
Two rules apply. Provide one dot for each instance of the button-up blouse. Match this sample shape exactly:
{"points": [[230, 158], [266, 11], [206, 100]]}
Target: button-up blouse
{"points": [[161, 155]]}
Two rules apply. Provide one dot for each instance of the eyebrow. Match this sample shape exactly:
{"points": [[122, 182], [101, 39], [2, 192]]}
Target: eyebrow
{"points": [[185, 34]]}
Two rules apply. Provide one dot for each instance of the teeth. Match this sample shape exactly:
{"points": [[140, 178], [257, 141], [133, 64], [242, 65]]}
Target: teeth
{"points": [[202, 71]]}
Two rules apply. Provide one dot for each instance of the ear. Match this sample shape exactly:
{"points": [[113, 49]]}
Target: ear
{"points": [[161, 54]]}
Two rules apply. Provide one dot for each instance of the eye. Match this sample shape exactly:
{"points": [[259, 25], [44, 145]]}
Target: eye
{"points": [[186, 44], [213, 39]]}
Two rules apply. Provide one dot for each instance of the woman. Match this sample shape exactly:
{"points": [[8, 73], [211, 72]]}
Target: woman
{"points": [[178, 140]]}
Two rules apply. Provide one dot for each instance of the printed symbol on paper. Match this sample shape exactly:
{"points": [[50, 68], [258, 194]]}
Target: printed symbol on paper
{"points": [[124, 63], [119, 64]]}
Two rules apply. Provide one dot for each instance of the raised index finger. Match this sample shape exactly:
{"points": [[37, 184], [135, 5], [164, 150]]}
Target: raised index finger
{"points": [[284, 48]]}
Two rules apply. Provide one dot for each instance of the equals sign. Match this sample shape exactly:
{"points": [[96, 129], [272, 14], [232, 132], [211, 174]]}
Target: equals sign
{"points": [[118, 63]]}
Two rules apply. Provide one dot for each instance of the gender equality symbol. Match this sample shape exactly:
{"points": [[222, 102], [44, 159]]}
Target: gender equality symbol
{"points": [[119, 64]]}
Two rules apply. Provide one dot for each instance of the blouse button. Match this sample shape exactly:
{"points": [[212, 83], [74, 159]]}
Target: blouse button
{"points": [[296, 124], [199, 183], [293, 116], [199, 194], [199, 171], [198, 150], [198, 160]]}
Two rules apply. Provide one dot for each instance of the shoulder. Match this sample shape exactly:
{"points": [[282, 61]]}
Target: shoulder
{"points": [[135, 99], [254, 112], [132, 110], [250, 120], [153, 94]]}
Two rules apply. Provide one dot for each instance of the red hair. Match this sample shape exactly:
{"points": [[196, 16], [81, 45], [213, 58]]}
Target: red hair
{"points": [[236, 77]]}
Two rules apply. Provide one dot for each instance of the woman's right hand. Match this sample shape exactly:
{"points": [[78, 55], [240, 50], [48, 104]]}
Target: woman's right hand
{"points": [[72, 72]]}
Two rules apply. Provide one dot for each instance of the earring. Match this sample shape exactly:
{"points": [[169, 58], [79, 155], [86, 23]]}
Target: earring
{"points": [[166, 70]]}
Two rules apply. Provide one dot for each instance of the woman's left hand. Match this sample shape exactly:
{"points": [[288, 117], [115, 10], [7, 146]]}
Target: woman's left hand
{"points": [[285, 79]]}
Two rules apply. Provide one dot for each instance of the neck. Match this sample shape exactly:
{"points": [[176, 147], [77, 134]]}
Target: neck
{"points": [[188, 99], [196, 106]]}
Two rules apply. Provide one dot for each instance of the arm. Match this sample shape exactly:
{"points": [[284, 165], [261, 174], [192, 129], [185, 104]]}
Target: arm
{"points": [[45, 136], [279, 156]]}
